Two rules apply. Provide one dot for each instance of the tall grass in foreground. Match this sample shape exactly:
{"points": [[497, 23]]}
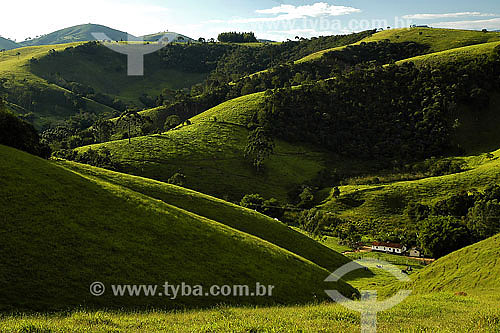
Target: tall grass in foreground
{"points": [[441, 312]]}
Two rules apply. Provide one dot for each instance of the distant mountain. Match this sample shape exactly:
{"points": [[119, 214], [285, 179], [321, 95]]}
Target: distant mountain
{"points": [[7, 44], [78, 33], [170, 35], [266, 41]]}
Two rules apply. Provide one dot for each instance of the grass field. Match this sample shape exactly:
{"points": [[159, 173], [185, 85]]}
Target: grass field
{"points": [[434, 306], [383, 204], [15, 67], [106, 72], [465, 53], [475, 268], [93, 230], [437, 39], [103, 70], [440, 312], [211, 155], [234, 216], [430, 308]]}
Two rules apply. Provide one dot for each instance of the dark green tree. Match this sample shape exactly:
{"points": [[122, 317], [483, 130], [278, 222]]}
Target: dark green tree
{"points": [[172, 121], [178, 179], [253, 201], [259, 147], [132, 119], [102, 129], [484, 218], [440, 235]]}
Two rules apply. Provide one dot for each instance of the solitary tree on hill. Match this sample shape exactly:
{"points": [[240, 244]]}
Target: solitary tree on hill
{"points": [[259, 147], [131, 118]]}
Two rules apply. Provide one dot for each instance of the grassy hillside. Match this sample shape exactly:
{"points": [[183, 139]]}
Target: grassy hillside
{"points": [[106, 72], [52, 103], [439, 312], [210, 153], [437, 39], [236, 111], [99, 231], [234, 216], [384, 204], [475, 268], [465, 53], [78, 33], [33, 84], [7, 44]]}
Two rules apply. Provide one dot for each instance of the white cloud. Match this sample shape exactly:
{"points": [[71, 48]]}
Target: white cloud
{"points": [[491, 24], [445, 15], [291, 12]]}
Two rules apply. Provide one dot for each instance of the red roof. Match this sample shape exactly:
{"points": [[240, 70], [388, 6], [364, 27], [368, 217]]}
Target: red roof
{"points": [[393, 245]]}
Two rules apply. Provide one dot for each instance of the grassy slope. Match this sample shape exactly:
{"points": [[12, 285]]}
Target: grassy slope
{"points": [[236, 111], [386, 202], [78, 33], [106, 72], [461, 53], [437, 39], [478, 133], [442, 312], [210, 154], [471, 269], [234, 216], [98, 231], [16, 69]]}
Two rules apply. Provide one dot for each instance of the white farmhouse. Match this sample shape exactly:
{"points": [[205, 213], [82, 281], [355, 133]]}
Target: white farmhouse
{"points": [[415, 252], [388, 247]]}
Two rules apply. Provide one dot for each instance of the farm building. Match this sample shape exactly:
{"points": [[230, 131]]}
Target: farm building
{"points": [[415, 252], [388, 247]]}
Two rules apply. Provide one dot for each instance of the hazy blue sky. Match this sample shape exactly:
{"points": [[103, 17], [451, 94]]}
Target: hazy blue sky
{"points": [[271, 19]]}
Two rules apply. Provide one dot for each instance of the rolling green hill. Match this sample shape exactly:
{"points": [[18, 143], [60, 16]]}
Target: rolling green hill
{"points": [[214, 145], [475, 268], [106, 72], [52, 101], [211, 155], [384, 204], [437, 39], [234, 216], [78, 33], [7, 44], [94, 230], [465, 53], [38, 80]]}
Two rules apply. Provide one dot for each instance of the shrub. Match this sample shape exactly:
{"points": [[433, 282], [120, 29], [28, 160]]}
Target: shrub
{"points": [[252, 201], [20, 134], [440, 235], [178, 179]]}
